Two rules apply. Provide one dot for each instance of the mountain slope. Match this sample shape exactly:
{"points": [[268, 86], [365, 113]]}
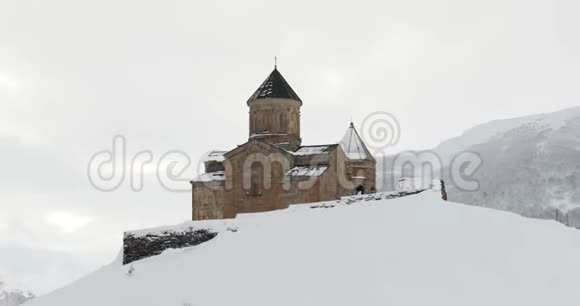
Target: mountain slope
{"points": [[416, 250], [485, 132], [531, 165], [13, 297]]}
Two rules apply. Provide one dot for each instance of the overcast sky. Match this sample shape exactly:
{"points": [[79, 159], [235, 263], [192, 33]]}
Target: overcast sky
{"points": [[175, 75]]}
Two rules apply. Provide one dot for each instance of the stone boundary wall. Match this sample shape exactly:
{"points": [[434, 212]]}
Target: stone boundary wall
{"points": [[349, 200], [145, 243], [139, 247], [367, 197]]}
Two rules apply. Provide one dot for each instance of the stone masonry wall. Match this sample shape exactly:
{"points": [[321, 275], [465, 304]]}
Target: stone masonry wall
{"points": [[136, 247]]}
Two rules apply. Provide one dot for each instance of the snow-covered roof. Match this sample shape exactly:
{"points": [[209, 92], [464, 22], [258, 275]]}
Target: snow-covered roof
{"points": [[352, 145], [307, 171], [254, 135], [210, 177], [314, 150], [214, 156]]}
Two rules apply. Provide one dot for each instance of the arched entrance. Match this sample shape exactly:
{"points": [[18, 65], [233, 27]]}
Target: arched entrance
{"points": [[360, 189]]}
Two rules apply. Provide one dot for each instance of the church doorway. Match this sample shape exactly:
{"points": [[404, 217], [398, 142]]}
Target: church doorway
{"points": [[360, 189]]}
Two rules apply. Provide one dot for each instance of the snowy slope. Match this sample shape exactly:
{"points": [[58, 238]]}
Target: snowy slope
{"points": [[416, 250], [531, 165]]}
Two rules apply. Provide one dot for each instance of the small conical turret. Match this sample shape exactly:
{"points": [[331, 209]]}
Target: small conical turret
{"points": [[353, 146]]}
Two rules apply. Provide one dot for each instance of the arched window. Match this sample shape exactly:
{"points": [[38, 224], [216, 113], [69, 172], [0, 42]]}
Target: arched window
{"points": [[257, 179], [282, 123]]}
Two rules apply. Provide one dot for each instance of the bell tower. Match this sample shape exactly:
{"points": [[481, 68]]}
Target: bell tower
{"points": [[275, 112]]}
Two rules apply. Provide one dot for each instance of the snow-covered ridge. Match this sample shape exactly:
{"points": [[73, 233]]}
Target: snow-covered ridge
{"points": [[413, 250], [486, 131], [531, 165]]}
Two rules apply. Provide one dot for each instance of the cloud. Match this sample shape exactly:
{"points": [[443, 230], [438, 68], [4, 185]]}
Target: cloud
{"points": [[36, 167], [66, 221], [9, 83], [42, 270]]}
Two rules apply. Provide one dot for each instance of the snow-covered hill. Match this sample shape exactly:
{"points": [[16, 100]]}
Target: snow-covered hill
{"points": [[495, 129], [415, 250], [531, 165], [13, 297]]}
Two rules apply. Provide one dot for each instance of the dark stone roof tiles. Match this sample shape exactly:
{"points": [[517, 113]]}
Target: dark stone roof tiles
{"points": [[275, 86]]}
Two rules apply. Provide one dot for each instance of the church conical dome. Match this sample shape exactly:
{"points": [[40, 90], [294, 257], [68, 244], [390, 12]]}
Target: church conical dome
{"points": [[275, 86], [353, 146]]}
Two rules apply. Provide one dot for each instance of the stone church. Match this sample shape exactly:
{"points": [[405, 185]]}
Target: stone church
{"points": [[273, 170]]}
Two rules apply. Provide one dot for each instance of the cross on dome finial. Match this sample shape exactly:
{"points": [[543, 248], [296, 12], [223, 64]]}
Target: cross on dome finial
{"points": [[275, 62]]}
